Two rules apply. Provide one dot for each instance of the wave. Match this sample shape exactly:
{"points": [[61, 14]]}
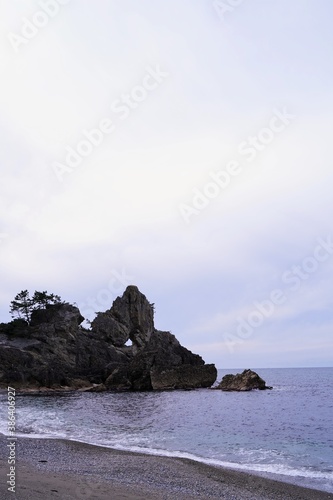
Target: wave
{"points": [[277, 470]]}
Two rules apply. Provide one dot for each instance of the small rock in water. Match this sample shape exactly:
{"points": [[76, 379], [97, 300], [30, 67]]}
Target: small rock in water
{"points": [[245, 381]]}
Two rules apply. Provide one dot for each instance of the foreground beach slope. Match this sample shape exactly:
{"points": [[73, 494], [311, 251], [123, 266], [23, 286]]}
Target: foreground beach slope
{"points": [[58, 469]]}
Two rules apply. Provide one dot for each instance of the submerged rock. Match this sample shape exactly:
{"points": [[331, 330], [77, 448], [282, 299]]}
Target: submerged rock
{"points": [[245, 381], [55, 351]]}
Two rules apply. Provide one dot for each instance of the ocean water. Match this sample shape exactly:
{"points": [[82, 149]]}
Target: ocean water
{"points": [[285, 433]]}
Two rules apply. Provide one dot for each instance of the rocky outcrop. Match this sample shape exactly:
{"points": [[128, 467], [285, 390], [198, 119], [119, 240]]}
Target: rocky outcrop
{"points": [[55, 351], [64, 316], [183, 377], [245, 381], [130, 317]]}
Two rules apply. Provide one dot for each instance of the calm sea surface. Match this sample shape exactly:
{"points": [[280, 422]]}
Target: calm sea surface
{"points": [[286, 433]]}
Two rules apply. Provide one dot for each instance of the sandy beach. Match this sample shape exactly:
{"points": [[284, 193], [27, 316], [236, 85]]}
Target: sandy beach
{"points": [[59, 469]]}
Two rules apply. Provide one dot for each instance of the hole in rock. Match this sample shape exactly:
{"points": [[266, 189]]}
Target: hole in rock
{"points": [[129, 343]]}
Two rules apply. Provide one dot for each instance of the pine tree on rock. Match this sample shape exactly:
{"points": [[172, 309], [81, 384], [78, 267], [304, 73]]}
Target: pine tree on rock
{"points": [[42, 299], [23, 305]]}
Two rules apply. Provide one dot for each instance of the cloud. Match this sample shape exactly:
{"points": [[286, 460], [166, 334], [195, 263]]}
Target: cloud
{"points": [[119, 208]]}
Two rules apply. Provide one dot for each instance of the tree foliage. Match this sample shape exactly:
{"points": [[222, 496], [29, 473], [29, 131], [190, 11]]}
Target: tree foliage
{"points": [[42, 299], [23, 305]]}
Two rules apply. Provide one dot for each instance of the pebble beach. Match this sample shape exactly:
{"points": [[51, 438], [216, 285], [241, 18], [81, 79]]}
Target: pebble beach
{"points": [[66, 470]]}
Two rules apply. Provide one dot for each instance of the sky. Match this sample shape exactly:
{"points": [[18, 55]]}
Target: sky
{"points": [[183, 146]]}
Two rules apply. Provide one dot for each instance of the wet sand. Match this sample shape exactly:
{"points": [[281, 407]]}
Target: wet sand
{"points": [[66, 470]]}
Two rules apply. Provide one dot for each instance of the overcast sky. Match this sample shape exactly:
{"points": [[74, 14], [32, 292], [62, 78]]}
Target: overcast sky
{"points": [[184, 146]]}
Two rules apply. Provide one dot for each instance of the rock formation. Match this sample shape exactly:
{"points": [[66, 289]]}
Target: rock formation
{"points": [[245, 381], [55, 351]]}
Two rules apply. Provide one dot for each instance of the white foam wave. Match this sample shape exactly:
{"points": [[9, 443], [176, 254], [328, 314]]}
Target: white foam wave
{"points": [[275, 469], [277, 465]]}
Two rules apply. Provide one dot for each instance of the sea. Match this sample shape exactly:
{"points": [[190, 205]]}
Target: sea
{"points": [[285, 433]]}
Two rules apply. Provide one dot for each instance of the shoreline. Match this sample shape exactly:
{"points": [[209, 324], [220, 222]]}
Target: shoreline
{"points": [[63, 469], [279, 477]]}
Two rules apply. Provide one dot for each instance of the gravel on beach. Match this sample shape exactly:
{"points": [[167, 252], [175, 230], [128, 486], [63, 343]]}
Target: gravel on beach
{"points": [[66, 470]]}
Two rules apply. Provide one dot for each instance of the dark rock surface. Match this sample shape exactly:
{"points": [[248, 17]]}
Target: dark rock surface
{"points": [[55, 351], [245, 381]]}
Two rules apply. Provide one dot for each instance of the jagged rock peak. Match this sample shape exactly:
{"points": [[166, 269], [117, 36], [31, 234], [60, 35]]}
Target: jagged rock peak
{"points": [[134, 310], [130, 317]]}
